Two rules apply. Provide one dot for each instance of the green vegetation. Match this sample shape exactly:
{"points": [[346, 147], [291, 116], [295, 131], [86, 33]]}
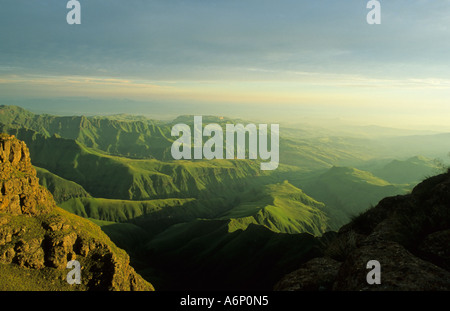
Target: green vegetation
{"points": [[348, 191], [281, 208], [220, 224], [410, 171], [62, 189], [119, 210], [214, 258], [17, 279], [42, 251]]}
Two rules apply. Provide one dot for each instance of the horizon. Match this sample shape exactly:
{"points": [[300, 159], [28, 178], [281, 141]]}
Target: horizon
{"points": [[224, 146], [338, 125], [292, 61]]}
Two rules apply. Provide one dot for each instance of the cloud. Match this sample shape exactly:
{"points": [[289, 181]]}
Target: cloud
{"points": [[291, 52], [211, 40]]}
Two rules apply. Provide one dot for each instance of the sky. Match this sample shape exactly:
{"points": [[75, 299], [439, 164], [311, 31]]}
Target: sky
{"points": [[279, 59]]}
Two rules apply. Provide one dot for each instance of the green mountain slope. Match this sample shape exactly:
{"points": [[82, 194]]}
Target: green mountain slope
{"points": [[216, 259], [348, 191], [408, 234], [107, 176], [323, 152], [129, 138], [153, 216], [61, 189], [203, 224], [410, 171], [280, 207], [258, 235], [38, 239], [142, 138]]}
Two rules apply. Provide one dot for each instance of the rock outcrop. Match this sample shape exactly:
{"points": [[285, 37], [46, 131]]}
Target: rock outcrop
{"points": [[38, 239], [20, 191], [408, 235]]}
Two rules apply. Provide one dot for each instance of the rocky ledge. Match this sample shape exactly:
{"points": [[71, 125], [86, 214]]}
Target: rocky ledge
{"points": [[408, 235], [38, 239]]}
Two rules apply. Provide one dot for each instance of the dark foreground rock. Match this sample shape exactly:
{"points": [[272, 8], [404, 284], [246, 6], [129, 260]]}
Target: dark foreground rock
{"points": [[408, 235]]}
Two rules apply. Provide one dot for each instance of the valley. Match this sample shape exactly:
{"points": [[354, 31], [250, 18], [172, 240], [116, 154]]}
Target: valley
{"points": [[222, 223]]}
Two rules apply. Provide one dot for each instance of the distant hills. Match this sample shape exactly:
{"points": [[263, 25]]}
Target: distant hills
{"points": [[408, 235], [279, 207], [225, 220], [134, 138], [347, 191], [409, 171], [61, 189]]}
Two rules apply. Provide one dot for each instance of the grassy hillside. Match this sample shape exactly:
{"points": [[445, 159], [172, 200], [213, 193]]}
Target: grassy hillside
{"points": [[200, 224], [61, 189], [37, 244], [279, 207], [108, 176], [261, 231], [348, 191], [216, 259], [153, 216], [141, 138], [324, 152], [118, 210], [410, 171]]}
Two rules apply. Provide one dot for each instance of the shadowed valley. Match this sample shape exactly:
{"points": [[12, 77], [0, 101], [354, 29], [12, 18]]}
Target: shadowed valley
{"points": [[215, 224]]}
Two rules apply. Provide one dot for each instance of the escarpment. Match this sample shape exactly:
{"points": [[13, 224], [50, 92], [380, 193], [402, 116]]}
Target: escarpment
{"points": [[407, 234], [38, 239]]}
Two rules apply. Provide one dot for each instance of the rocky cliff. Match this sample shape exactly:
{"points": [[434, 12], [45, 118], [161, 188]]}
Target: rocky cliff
{"points": [[408, 235], [37, 238]]}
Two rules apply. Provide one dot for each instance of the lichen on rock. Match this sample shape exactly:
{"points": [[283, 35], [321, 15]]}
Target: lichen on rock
{"points": [[38, 239], [408, 235]]}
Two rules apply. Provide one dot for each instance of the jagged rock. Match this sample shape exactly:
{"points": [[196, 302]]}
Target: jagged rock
{"points": [[400, 270], [19, 190], [316, 274], [343, 244], [7, 255], [7, 233], [29, 254], [56, 224], [4, 220], [409, 235], [84, 246], [60, 250], [36, 235], [435, 247]]}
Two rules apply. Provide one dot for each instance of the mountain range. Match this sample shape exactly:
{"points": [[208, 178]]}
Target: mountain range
{"points": [[218, 224], [408, 235]]}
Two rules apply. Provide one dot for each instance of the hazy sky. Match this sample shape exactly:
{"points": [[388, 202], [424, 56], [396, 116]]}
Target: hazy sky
{"points": [[292, 57]]}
